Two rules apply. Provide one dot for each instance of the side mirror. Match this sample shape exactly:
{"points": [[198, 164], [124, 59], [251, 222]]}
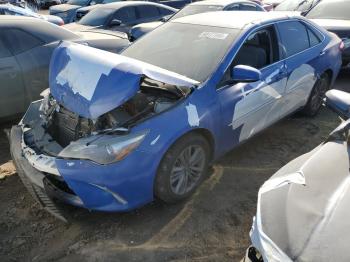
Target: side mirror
{"points": [[93, 3], [164, 19], [115, 22], [246, 74]]}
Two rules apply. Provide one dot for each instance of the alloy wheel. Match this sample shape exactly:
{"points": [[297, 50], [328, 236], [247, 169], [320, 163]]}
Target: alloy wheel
{"points": [[187, 169]]}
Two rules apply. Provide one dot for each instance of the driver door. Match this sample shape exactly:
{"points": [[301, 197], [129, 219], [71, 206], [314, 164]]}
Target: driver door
{"points": [[247, 108]]}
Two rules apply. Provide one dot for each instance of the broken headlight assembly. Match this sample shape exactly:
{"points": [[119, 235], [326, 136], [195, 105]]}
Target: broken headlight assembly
{"points": [[103, 149]]}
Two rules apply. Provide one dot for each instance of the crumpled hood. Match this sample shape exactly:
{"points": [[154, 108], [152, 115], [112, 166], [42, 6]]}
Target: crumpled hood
{"points": [[62, 8], [91, 82], [303, 209]]}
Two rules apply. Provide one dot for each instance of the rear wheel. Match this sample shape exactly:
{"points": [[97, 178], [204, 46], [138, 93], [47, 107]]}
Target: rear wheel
{"points": [[317, 94], [182, 169]]}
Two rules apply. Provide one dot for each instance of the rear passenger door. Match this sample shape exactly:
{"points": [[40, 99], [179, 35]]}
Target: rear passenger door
{"points": [[261, 102], [301, 47], [12, 97]]}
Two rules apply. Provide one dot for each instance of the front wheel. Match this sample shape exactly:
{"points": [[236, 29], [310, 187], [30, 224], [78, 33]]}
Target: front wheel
{"points": [[316, 97], [182, 169]]}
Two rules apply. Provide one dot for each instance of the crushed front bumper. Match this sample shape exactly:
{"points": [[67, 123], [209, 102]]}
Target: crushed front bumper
{"points": [[36, 182], [117, 187]]}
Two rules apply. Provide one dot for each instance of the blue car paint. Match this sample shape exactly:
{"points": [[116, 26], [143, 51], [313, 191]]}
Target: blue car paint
{"points": [[212, 109]]}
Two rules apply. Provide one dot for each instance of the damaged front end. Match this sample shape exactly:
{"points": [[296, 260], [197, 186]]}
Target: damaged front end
{"points": [[70, 145]]}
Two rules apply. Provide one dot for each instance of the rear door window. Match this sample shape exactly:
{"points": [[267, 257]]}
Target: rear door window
{"points": [[126, 15], [147, 11], [294, 36], [20, 41], [313, 38]]}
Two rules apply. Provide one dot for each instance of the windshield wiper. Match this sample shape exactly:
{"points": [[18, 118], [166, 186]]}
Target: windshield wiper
{"points": [[300, 4], [314, 3]]}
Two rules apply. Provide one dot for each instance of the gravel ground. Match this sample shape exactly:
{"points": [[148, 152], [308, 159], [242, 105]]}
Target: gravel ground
{"points": [[213, 225]]}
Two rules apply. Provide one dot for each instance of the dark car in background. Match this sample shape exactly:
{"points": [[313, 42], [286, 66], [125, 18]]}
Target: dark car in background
{"points": [[9, 9], [68, 10], [26, 45], [196, 8], [172, 3], [334, 15], [121, 16]]}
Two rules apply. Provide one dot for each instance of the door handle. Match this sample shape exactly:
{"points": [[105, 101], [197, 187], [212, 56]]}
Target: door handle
{"points": [[322, 53]]}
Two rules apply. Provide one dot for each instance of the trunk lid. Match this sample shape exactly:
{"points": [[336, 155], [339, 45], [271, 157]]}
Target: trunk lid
{"points": [[91, 82]]}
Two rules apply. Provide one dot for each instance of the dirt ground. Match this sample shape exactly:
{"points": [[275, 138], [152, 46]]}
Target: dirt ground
{"points": [[213, 225]]}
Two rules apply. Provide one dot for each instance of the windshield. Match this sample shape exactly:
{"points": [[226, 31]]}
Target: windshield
{"points": [[190, 50], [195, 9], [96, 17], [331, 10], [78, 2], [292, 5]]}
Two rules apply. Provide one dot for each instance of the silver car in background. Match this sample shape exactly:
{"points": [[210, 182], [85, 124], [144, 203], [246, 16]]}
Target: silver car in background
{"points": [[26, 45]]}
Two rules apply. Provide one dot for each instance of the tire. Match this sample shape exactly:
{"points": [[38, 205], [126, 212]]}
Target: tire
{"points": [[175, 168], [315, 100]]}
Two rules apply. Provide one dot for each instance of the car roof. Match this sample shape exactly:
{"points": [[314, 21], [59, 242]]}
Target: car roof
{"points": [[237, 19], [46, 31], [221, 2], [120, 4]]}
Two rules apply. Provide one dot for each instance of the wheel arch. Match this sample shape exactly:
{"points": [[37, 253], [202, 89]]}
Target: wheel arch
{"points": [[330, 74], [208, 136], [204, 132]]}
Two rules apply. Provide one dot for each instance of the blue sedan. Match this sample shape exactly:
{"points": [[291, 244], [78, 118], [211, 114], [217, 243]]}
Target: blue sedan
{"points": [[116, 131]]}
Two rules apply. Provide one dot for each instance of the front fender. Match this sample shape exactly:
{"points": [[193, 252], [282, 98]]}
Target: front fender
{"points": [[197, 112]]}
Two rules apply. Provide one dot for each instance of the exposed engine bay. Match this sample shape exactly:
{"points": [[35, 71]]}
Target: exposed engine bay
{"points": [[65, 126]]}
